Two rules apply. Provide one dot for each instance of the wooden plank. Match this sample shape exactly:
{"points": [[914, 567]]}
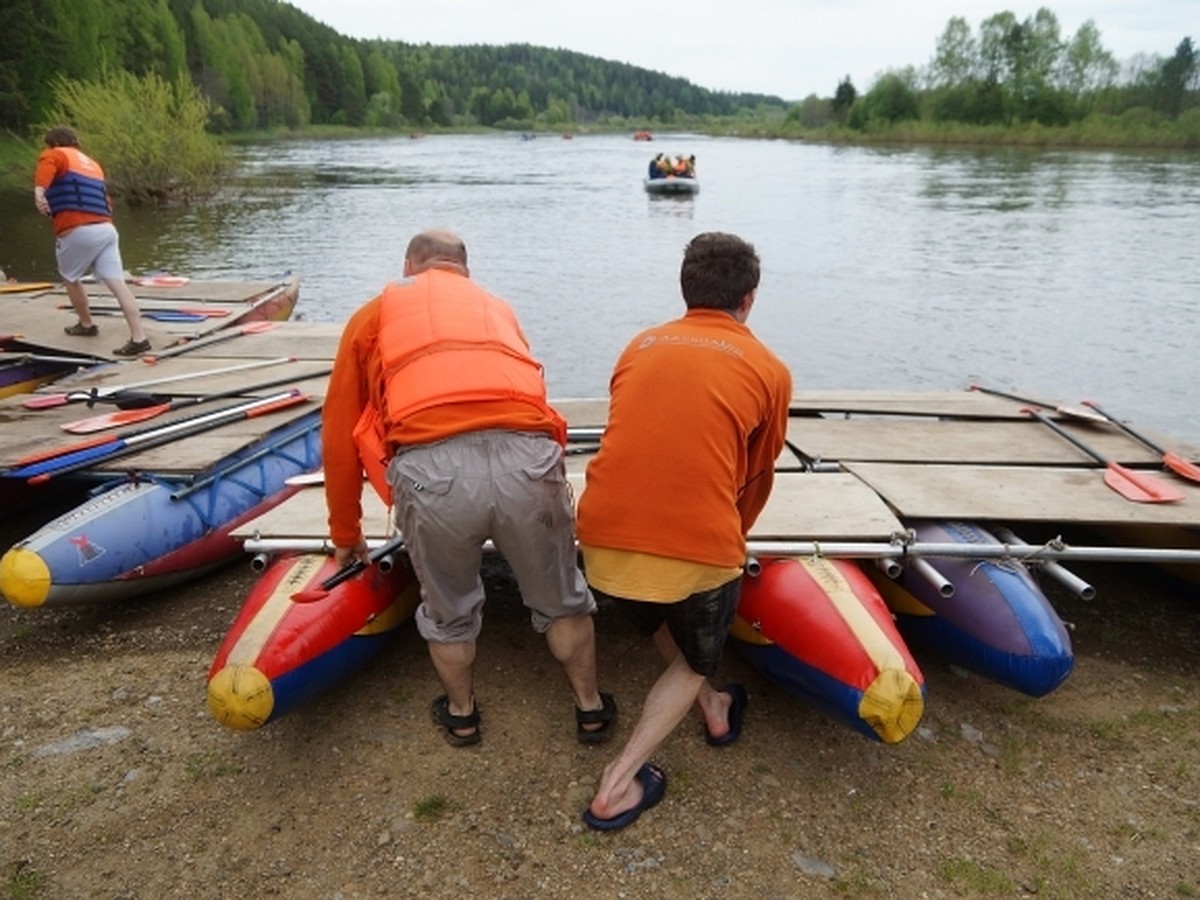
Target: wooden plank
{"points": [[931, 440], [834, 506], [40, 323], [582, 412], [304, 516], [1018, 493], [307, 340], [229, 292], [964, 403]]}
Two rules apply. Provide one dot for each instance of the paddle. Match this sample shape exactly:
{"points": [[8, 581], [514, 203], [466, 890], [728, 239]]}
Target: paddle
{"points": [[49, 401], [93, 452], [347, 572], [203, 312], [225, 334], [157, 315], [1172, 461], [129, 416], [1136, 486], [1073, 412], [53, 452]]}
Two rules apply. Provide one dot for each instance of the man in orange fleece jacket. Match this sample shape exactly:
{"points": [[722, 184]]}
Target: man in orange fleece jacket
{"points": [[473, 451], [697, 416]]}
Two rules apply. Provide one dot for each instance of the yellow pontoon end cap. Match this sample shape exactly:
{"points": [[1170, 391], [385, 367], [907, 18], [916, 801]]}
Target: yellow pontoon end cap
{"points": [[241, 697], [24, 577]]}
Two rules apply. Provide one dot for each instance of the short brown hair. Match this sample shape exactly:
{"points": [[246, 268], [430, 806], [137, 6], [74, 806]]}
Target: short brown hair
{"points": [[62, 136], [718, 271]]}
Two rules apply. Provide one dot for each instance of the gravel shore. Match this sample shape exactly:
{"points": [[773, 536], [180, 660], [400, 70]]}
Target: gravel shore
{"points": [[117, 783]]}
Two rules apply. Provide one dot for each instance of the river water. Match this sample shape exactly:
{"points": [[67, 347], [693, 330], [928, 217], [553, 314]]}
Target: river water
{"points": [[1059, 275]]}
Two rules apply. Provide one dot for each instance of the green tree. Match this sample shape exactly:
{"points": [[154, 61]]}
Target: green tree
{"points": [[955, 60], [843, 99], [148, 133], [1087, 66], [1177, 75], [893, 98]]}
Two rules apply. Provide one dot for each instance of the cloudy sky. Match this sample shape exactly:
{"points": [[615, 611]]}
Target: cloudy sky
{"points": [[790, 48]]}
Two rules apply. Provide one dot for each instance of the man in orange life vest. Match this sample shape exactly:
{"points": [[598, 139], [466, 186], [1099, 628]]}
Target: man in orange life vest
{"points": [[69, 186], [434, 380]]}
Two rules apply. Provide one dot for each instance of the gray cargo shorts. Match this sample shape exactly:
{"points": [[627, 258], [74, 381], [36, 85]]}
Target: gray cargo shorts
{"points": [[507, 486]]}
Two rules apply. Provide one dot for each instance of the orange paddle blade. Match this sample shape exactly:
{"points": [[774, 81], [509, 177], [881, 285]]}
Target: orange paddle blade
{"points": [[115, 419], [1139, 487], [1180, 466]]}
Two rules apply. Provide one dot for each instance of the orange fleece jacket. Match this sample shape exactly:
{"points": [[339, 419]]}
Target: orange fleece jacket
{"points": [[355, 382], [697, 417]]}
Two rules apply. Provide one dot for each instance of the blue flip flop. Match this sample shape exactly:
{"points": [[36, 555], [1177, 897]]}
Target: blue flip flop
{"points": [[654, 786], [737, 712]]}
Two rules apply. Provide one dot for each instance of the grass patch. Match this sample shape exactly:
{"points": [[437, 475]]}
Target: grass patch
{"points": [[27, 802], [431, 808], [24, 882], [968, 875], [201, 766]]}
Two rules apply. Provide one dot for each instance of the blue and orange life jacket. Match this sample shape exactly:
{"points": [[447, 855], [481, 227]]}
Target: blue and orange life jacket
{"points": [[79, 189]]}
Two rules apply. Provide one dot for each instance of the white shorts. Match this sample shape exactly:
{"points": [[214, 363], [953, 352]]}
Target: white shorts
{"points": [[508, 486], [87, 247]]}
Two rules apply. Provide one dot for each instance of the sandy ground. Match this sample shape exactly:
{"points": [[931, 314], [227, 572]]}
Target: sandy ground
{"points": [[115, 781]]}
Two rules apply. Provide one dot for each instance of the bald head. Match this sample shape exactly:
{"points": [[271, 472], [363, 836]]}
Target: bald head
{"points": [[435, 247]]}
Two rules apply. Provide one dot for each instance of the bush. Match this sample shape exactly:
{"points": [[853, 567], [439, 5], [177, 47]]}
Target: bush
{"points": [[148, 134]]}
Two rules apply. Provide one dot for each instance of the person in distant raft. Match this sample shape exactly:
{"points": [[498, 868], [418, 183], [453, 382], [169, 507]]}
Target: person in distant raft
{"points": [[69, 186], [698, 414], [433, 380]]}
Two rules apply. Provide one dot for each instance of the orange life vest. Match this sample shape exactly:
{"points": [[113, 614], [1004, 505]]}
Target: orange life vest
{"points": [[442, 340]]}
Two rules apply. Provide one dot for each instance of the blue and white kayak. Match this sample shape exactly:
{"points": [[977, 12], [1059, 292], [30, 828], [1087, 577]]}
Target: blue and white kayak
{"points": [[150, 533]]}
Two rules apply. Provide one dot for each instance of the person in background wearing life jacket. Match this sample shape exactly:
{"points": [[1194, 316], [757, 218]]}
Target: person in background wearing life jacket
{"points": [[433, 379], [680, 167], [69, 186]]}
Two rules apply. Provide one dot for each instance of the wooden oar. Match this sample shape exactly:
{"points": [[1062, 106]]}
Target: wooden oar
{"points": [[48, 401], [1073, 412], [130, 416], [225, 334], [348, 571], [1137, 486], [1172, 461], [92, 453]]}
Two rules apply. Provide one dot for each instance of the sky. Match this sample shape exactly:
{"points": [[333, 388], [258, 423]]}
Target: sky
{"points": [[787, 48]]}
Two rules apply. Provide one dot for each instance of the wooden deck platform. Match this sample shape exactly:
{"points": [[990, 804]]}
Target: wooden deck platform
{"points": [[39, 317], [858, 465]]}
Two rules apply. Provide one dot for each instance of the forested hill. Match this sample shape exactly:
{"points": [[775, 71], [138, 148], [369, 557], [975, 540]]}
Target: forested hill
{"points": [[265, 64]]}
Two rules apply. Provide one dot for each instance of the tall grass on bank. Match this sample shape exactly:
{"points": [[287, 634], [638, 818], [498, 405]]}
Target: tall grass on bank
{"points": [[148, 134]]}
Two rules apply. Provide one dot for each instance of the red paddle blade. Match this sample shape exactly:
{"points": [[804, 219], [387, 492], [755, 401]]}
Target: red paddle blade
{"points": [[310, 596], [45, 401], [115, 419], [1181, 466], [1139, 487]]}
